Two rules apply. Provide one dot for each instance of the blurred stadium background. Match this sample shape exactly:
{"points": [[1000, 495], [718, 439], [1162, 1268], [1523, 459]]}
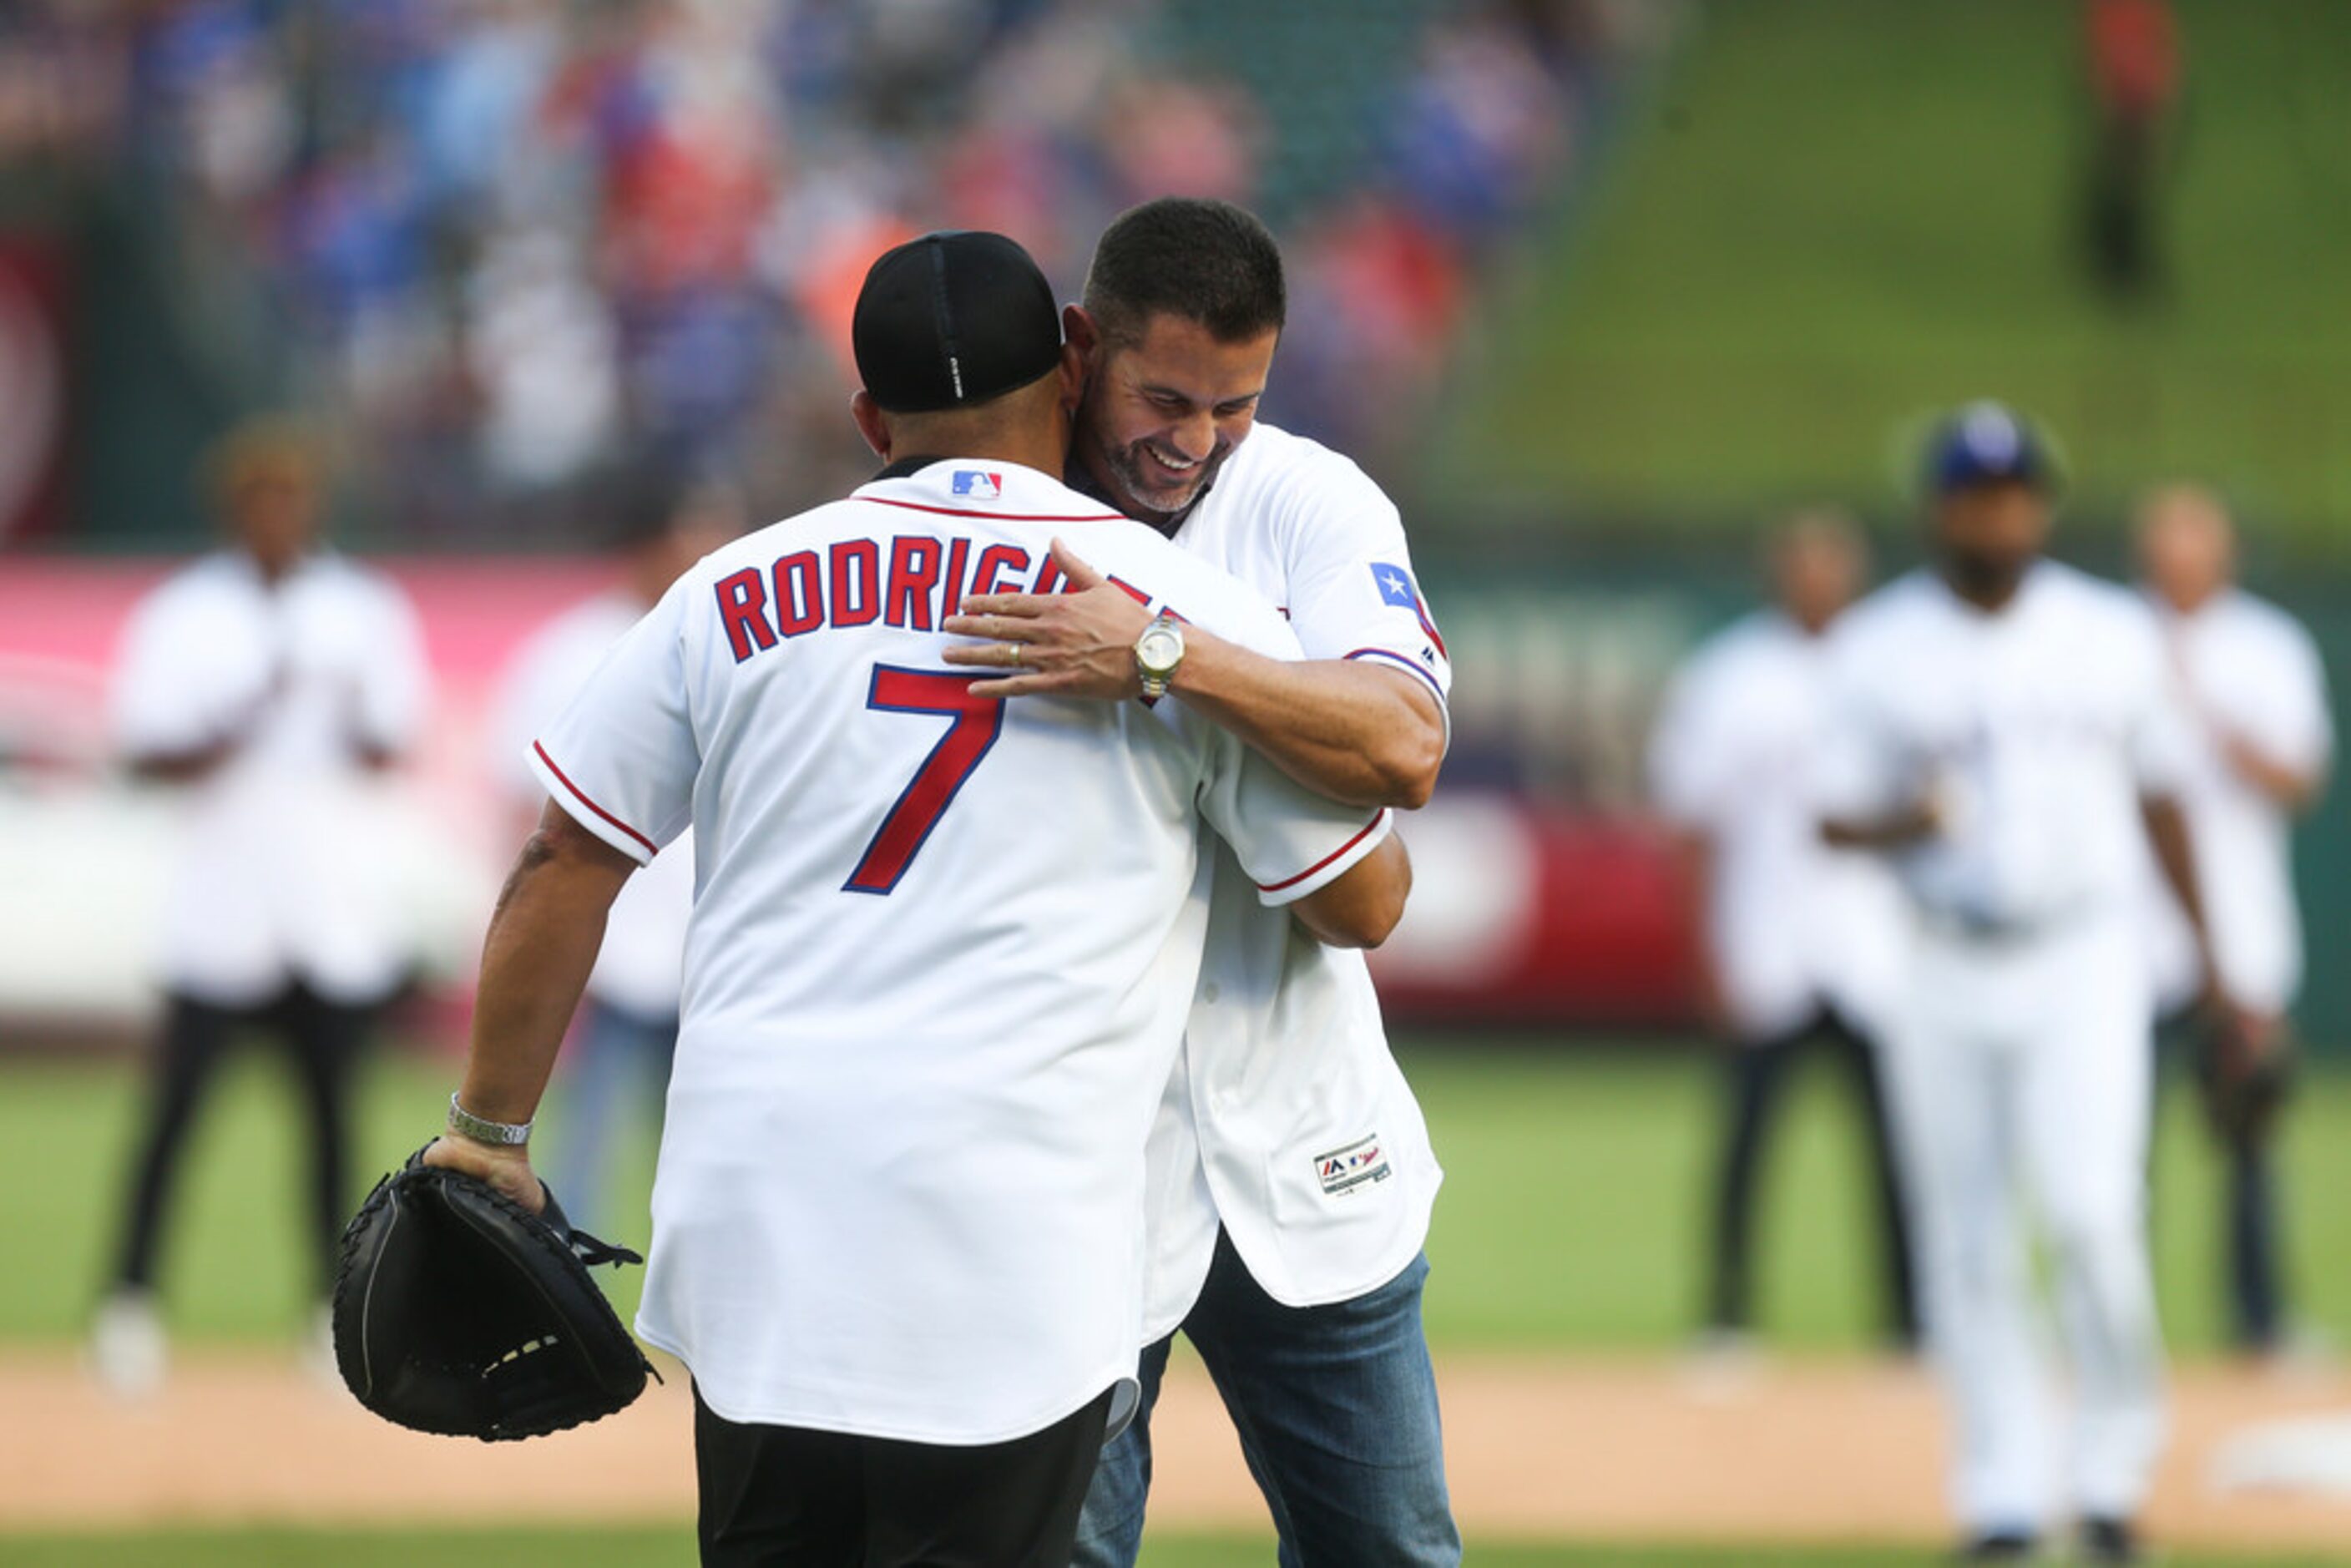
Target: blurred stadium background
{"points": [[1594, 285]]}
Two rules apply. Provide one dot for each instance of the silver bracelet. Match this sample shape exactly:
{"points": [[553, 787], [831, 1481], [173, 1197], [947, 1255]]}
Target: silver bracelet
{"points": [[482, 1130]]}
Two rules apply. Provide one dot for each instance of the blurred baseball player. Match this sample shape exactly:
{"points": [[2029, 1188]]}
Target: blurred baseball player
{"points": [[2005, 733], [938, 965], [627, 1030], [1798, 942], [267, 685], [1290, 1172], [2250, 679]]}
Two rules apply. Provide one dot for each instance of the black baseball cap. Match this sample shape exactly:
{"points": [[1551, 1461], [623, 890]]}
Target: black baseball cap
{"points": [[951, 319]]}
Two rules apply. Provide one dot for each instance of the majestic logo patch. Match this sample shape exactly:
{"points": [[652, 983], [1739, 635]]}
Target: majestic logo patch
{"points": [[973, 484], [1359, 1163]]}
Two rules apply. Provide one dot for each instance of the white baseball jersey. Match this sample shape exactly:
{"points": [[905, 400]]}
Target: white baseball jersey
{"points": [[1288, 1119], [939, 959], [2247, 664], [640, 966], [1793, 925], [287, 872], [2038, 728]]}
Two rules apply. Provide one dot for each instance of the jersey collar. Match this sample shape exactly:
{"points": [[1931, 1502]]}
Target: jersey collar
{"points": [[981, 487]]}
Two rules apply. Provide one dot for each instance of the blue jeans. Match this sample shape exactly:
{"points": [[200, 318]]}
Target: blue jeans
{"points": [[615, 1057], [1336, 1409]]}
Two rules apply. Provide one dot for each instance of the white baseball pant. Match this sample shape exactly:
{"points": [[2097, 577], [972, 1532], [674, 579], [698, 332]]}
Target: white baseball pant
{"points": [[2027, 1062]]}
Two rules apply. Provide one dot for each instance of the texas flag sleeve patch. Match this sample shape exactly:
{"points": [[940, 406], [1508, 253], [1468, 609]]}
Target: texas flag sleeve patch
{"points": [[1397, 588]]}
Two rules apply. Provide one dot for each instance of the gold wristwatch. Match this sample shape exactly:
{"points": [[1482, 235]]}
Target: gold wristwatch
{"points": [[1157, 652]]}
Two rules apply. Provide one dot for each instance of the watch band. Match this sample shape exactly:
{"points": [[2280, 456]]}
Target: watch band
{"points": [[482, 1130]]}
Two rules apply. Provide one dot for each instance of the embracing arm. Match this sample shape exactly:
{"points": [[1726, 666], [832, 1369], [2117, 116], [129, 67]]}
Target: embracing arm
{"points": [[542, 942], [1347, 729], [2168, 836], [1359, 909]]}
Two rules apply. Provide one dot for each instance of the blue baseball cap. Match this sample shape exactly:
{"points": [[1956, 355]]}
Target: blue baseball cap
{"points": [[1987, 442]]}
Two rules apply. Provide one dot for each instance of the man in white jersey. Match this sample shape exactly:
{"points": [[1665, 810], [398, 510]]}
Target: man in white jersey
{"points": [[1797, 942], [940, 956], [621, 1046], [1290, 1172], [268, 686], [2005, 734], [2250, 678]]}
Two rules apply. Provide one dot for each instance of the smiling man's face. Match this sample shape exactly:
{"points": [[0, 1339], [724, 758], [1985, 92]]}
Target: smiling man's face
{"points": [[1162, 412]]}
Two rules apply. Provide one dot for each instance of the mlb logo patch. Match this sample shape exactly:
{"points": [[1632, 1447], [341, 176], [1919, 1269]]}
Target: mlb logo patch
{"points": [[973, 484]]}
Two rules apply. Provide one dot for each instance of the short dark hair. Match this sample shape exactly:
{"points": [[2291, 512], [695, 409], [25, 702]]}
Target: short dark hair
{"points": [[1191, 257]]}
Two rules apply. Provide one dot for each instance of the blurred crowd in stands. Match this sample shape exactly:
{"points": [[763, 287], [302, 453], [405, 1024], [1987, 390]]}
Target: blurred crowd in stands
{"points": [[500, 247]]}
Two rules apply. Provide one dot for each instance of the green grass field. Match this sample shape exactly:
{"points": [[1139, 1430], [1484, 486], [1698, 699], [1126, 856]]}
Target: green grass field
{"points": [[1569, 1221], [1831, 216], [1570, 1217]]}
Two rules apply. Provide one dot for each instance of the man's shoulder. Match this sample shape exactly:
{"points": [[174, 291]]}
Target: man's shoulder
{"points": [[1274, 466], [1899, 609], [2265, 622]]}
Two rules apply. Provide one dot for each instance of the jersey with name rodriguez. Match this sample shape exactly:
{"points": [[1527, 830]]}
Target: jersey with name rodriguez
{"points": [[1288, 1121], [939, 959]]}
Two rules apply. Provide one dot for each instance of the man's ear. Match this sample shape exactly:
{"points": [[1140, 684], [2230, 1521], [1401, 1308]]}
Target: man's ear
{"points": [[1080, 332], [871, 422], [1073, 377]]}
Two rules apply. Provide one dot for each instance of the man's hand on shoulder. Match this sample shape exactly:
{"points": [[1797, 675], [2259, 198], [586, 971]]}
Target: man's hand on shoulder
{"points": [[1076, 643]]}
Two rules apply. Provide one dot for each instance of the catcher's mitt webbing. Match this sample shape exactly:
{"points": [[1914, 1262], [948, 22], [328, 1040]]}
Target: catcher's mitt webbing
{"points": [[459, 1312]]}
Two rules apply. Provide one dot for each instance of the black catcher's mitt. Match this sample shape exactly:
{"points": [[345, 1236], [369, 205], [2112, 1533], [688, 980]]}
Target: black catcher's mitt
{"points": [[457, 1310]]}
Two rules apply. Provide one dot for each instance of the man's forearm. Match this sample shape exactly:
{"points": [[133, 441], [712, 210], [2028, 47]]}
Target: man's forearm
{"points": [[1894, 830], [2166, 835], [542, 942], [1344, 728], [2288, 788]]}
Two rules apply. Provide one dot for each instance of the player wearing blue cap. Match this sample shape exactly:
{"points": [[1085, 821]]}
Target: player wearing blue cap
{"points": [[2004, 732]]}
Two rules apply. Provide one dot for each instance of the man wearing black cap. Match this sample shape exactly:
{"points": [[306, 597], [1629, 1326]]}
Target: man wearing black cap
{"points": [[937, 967], [2004, 732]]}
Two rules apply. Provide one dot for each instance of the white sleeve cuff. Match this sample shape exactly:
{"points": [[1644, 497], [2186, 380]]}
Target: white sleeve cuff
{"points": [[587, 813], [1330, 867]]}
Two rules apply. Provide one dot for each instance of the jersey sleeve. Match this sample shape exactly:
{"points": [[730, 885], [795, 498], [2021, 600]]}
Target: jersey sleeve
{"points": [[177, 685], [395, 683], [1860, 769], [1352, 594], [1685, 755], [623, 756], [1290, 840], [2300, 730]]}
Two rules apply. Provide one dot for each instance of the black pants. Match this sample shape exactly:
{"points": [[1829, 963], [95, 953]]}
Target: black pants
{"points": [[783, 1497], [2254, 1278], [1758, 1074], [322, 1040]]}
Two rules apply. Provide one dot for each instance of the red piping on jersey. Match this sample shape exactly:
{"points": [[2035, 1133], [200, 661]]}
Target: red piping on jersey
{"points": [[1392, 654], [1000, 517], [1369, 827], [581, 795]]}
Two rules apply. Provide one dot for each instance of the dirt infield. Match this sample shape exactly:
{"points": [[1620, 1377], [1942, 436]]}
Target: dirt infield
{"points": [[1545, 1447]]}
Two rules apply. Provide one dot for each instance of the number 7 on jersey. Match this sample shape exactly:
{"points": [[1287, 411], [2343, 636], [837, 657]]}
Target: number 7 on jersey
{"points": [[975, 724]]}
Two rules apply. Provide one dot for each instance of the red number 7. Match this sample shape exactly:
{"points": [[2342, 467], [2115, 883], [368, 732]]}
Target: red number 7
{"points": [[933, 788]]}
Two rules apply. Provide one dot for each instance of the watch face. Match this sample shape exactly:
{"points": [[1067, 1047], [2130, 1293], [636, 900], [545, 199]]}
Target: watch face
{"points": [[1160, 648]]}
